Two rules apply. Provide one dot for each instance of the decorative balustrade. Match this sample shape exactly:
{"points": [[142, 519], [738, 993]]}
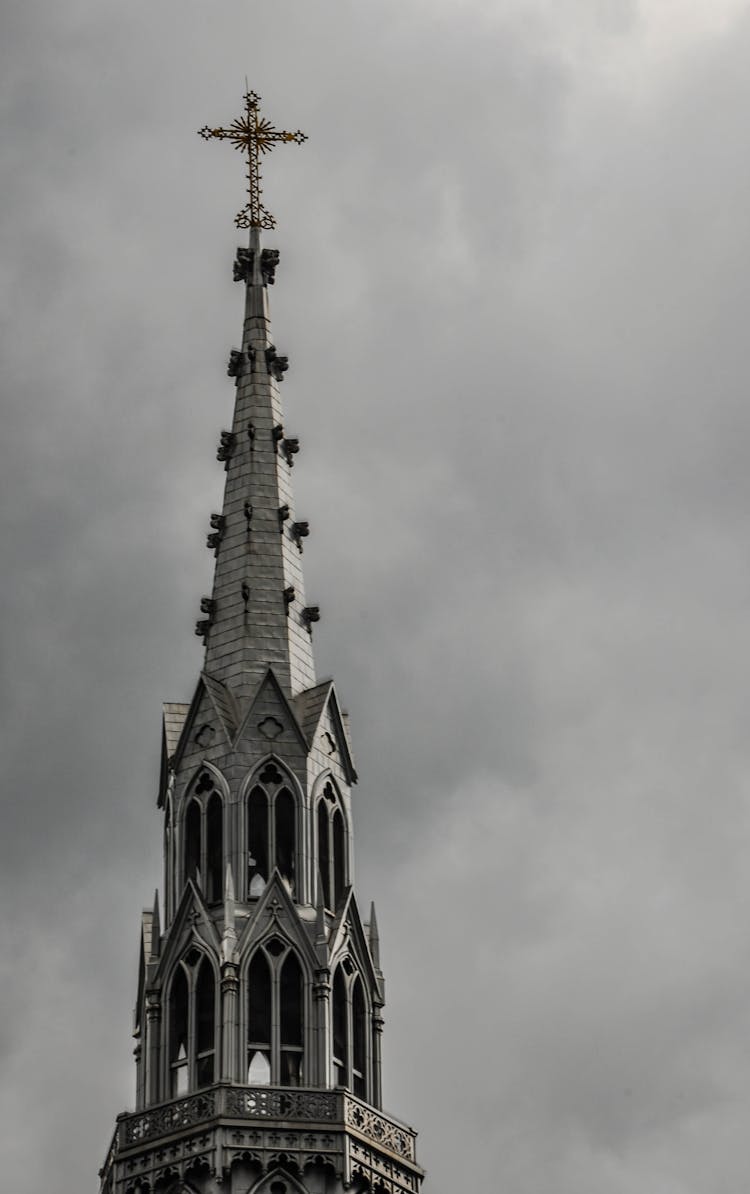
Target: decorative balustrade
{"points": [[266, 1103], [370, 1123]]}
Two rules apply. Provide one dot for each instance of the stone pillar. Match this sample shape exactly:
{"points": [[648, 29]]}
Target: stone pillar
{"points": [[140, 1101], [377, 1033], [230, 985], [153, 1033], [322, 1028]]}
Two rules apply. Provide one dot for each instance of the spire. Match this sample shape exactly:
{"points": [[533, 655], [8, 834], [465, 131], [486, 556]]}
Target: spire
{"points": [[155, 930], [257, 615], [374, 936]]}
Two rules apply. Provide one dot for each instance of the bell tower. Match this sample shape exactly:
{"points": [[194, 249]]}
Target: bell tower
{"points": [[259, 1009]]}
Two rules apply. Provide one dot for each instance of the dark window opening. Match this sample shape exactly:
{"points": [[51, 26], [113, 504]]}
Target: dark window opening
{"points": [[270, 774], [285, 835], [259, 993], [178, 1034], [205, 1014], [359, 1042], [214, 848], [290, 1018], [324, 855], [192, 840], [257, 842], [340, 1034], [259, 1022], [338, 858]]}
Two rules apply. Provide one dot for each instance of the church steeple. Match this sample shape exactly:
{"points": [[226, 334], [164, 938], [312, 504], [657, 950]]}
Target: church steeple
{"points": [[257, 616], [258, 1015]]}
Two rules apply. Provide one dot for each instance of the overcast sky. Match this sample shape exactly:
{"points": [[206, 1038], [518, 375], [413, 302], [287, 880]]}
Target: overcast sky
{"points": [[513, 289]]}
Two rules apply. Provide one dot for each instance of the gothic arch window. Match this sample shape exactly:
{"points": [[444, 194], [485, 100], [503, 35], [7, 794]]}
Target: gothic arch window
{"points": [[214, 848], [259, 1021], [271, 817], [193, 819], [275, 1016], [191, 1026], [332, 857], [168, 856], [349, 1021], [291, 1026], [205, 1025], [179, 1008], [339, 1019], [203, 837], [359, 1040]]}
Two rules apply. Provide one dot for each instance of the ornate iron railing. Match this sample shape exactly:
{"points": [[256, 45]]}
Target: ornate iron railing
{"points": [[261, 1103]]}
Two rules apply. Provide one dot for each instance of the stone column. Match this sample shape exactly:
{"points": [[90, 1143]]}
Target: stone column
{"points": [[377, 1033], [322, 1027], [153, 1033], [230, 985]]}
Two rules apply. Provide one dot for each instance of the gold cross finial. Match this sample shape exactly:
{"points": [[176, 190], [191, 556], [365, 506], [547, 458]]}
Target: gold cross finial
{"points": [[255, 135]]}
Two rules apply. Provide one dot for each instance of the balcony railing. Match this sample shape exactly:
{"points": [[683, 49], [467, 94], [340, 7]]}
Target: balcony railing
{"points": [[289, 1105]]}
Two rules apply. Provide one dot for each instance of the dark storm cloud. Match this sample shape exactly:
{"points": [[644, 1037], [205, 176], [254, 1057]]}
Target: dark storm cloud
{"points": [[513, 291]]}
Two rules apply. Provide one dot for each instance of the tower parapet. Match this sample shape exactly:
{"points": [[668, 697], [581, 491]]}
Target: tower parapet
{"points": [[260, 995]]}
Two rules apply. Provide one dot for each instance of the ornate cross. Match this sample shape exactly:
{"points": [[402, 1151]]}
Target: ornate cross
{"points": [[255, 135]]}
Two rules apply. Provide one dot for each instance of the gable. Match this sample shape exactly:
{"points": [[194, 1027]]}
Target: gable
{"points": [[224, 703], [271, 720], [348, 935], [191, 923], [276, 914], [324, 727]]}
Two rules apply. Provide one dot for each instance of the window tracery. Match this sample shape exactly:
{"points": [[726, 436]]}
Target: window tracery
{"points": [[203, 837], [275, 1016], [349, 1022], [191, 1027], [271, 814], [331, 838]]}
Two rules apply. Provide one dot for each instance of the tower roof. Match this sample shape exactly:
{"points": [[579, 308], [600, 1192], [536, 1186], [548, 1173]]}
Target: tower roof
{"points": [[257, 616]]}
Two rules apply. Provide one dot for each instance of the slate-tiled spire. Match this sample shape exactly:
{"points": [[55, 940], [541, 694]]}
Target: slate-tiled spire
{"points": [[257, 612], [259, 1010]]}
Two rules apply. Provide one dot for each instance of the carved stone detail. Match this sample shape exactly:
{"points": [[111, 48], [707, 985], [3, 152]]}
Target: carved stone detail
{"points": [[300, 531], [168, 1118], [270, 727], [218, 525], [265, 1102], [227, 444], [367, 1121], [269, 261], [277, 366], [243, 265]]}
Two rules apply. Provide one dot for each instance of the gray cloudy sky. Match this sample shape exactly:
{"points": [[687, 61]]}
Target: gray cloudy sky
{"points": [[514, 292]]}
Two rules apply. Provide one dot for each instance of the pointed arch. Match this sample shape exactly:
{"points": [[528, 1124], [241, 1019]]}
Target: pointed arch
{"points": [[359, 1040], [276, 985], [257, 841], [214, 848], [291, 1020], [192, 835], [178, 1032], [332, 844], [272, 800], [259, 1020], [191, 1030], [340, 1029], [285, 834], [324, 853], [205, 1024], [278, 1177], [339, 860]]}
